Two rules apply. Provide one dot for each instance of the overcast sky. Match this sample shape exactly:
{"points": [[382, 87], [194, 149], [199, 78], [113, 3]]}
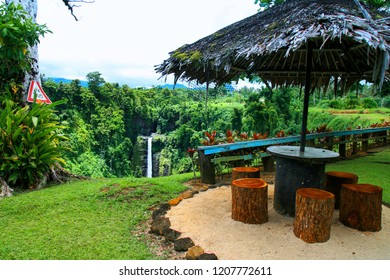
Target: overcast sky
{"points": [[125, 39]]}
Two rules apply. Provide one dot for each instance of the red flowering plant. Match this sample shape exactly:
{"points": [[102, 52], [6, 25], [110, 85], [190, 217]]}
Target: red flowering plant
{"points": [[259, 136], [230, 136], [210, 140], [243, 136]]}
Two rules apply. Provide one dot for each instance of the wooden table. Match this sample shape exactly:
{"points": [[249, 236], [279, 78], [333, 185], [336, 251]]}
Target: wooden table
{"points": [[294, 170]]}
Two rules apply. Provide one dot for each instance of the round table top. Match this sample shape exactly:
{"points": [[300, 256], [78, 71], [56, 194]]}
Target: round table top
{"points": [[310, 154]]}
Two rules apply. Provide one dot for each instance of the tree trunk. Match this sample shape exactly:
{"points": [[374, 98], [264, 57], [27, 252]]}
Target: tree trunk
{"points": [[361, 206], [31, 7], [313, 215], [6, 191], [334, 180], [250, 201], [245, 172]]}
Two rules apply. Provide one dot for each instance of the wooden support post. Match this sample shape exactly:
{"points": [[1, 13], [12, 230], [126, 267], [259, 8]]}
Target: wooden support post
{"points": [[354, 145], [365, 142], [334, 180], [313, 215], [343, 147], [250, 200], [329, 141], [245, 172], [384, 135], [268, 164], [207, 169], [361, 206]]}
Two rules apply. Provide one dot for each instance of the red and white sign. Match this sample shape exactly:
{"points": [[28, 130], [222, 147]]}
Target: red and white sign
{"points": [[36, 89]]}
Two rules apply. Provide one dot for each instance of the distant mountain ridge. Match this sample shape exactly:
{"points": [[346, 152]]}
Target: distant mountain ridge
{"points": [[66, 81], [85, 83]]}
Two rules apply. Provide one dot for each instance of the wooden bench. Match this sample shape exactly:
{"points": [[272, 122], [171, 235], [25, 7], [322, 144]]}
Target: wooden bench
{"points": [[208, 165]]}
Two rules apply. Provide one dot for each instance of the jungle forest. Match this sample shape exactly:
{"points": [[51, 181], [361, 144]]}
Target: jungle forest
{"points": [[99, 130]]}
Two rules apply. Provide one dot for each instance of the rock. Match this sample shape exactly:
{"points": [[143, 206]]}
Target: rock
{"points": [[183, 244], [171, 234], [206, 257], [187, 194], [194, 252], [159, 225], [201, 188], [175, 201], [161, 211]]}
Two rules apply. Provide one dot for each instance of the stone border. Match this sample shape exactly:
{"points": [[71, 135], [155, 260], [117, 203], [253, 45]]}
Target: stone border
{"points": [[161, 226]]}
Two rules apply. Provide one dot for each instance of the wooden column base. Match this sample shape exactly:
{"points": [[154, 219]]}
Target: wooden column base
{"points": [[334, 180], [361, 207], [250, 200], [245, 172], [313, 214]]}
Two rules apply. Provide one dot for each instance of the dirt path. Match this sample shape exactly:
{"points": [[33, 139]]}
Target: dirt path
{"points": [[205, 218]]}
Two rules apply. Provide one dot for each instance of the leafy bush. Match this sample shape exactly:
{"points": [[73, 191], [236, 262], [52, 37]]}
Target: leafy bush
{"points": [[324, 104], [385, 102], [351, 102], [184, 165], [30, 143], [89, 164], [369, 103], [336, 104]]}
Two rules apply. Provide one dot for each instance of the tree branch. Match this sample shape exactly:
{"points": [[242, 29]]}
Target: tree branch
{"points": [[70, 5]]}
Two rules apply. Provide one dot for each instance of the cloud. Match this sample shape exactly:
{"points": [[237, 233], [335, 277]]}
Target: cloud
{"points": [[124, 39]]}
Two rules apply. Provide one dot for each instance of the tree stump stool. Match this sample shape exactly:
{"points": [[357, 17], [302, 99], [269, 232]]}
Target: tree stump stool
{"points": [[250, 200], [313, 214], [361, 206], [245, 172], [334, 180]]}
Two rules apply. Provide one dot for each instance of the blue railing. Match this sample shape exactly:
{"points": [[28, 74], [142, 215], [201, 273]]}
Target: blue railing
{"points": [[221, 148], [208, 155]]}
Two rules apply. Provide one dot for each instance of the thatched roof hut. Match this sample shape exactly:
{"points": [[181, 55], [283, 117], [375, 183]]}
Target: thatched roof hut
{"points": [[349, 40]]}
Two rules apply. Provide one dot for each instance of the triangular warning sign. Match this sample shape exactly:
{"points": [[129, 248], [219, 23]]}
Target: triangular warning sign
{"points": [[36, 89]]}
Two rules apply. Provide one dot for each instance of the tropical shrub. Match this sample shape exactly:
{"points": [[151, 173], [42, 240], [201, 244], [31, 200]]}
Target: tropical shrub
{"points": [[369, 103], [30, 143]]}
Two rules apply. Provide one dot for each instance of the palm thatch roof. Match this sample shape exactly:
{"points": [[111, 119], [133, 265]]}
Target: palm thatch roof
{"points": [[349, 41]]}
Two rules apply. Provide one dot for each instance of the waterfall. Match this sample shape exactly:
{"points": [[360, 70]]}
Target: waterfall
{"points": [[149, 170]]}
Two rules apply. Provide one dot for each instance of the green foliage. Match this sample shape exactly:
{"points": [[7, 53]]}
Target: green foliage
{"points": [[369, 103], [372, 169], [105, 126], [18, 32], [89, 164], [385, 102], [184, 165], [30, 143]]}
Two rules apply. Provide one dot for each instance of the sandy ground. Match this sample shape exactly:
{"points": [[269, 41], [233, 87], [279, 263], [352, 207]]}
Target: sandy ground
{"points": [[206, 219]]}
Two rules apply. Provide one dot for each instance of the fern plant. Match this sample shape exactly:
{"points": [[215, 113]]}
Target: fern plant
{"points": [[31, 143]]}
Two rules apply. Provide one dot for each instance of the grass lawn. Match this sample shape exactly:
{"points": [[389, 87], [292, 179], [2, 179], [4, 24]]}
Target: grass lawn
{"points": [[372, 169], [344, 119], [94, 219], [86, 220]]}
